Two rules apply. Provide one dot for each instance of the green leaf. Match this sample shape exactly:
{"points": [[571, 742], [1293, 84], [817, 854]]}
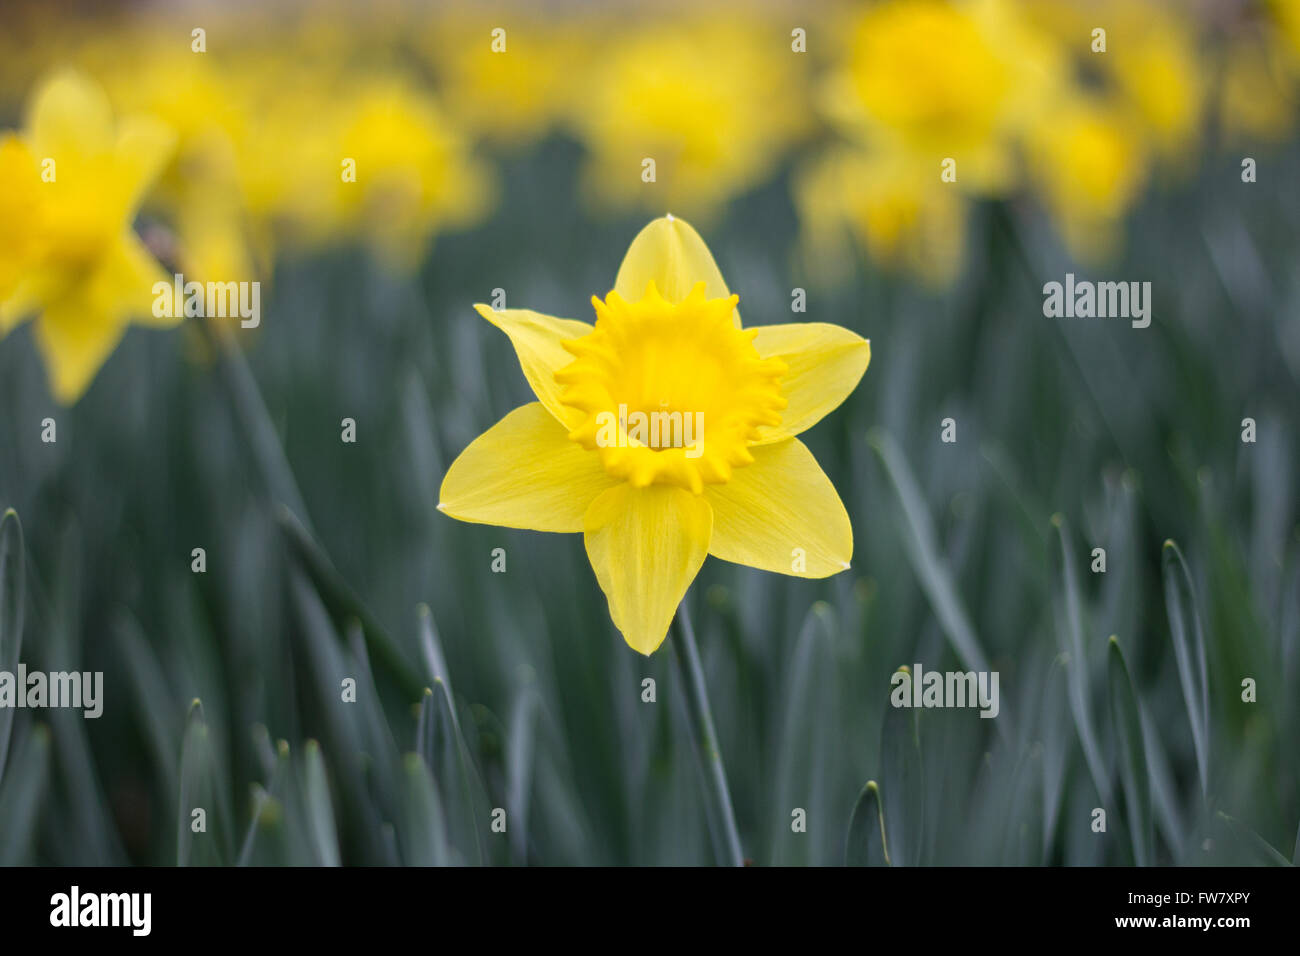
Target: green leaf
{"points": [[153, 697], [343, 604], [268, 809], [1133, 775], [265, 449], [1264, 851], [1076, 664], [519, 769], [12, 594], [902, 781], [1189, 652], [320, 814], [463, 797], [22, 797], [195, 786], [804, 758], [922, 548], [866, 844], [424, 835]]}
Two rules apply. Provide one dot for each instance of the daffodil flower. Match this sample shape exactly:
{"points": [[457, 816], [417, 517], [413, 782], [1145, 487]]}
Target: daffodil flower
{"points": [[667, 340], [94, 274]]}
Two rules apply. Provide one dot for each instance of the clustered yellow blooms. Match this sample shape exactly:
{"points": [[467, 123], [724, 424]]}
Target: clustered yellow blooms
{"points": [[293, 126], [712, 101], [667, 340], [1020, 96]]}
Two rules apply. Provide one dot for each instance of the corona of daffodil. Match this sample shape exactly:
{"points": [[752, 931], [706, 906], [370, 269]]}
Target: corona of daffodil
{"points": [[733, 481], [93, 274]]}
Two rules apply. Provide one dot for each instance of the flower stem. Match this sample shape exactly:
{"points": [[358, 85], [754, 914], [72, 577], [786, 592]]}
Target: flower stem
{"points": [[686, 657]]}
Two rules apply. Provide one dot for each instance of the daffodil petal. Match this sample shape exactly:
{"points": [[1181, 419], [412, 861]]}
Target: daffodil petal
{"points": [[781, 514], [646, 545], [70, 115], [672, 255], [536, 338], [143, 147], [524, 472], [826, 363], [75, 339], [124, 283]]}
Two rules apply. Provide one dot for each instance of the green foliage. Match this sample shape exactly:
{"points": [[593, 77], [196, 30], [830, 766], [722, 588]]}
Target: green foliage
{"points": [[319, 554]]}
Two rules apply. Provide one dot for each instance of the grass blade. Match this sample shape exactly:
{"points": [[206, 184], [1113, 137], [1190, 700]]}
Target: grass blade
{"points": [[1077, 662], [519, 768], [22, 797], [902, 779], [424, 837], [803, 756], [463, 796], [866, 840], [922, 548], [343, 604], [1132, 754], [195, 768], [320, 814], [1189, 651], [12, 593], [267, 808], [1264, 850]]}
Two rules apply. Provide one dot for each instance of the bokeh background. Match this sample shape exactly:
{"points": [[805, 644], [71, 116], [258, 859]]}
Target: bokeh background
{"points": [[808, 161]]}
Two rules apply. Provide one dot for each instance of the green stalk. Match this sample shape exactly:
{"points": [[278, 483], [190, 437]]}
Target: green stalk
{"points": [[250, 410], [686, 658]]}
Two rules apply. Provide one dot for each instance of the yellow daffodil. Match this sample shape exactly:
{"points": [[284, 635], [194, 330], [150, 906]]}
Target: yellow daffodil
{"points": [[507, 76], [937, 80], [1257, 98], [94, 275], [1158, 71], [712, 102], [414, 175], [898, 212], [1090, 165], [198, 97], [732, 481], [21, 226]]}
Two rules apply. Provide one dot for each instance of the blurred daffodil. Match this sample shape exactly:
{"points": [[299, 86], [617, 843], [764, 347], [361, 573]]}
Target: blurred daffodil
{"points": [[896, 211], [413, 172], [1157, 70], [200, 98], [711, 103], [1090, 164], [21, 226], [93, 275], [733, 482], [508, 85], [936, 80], [1257, 96]]}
